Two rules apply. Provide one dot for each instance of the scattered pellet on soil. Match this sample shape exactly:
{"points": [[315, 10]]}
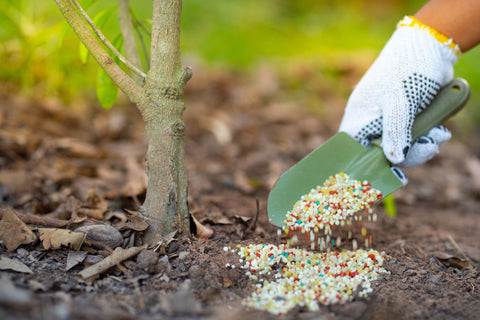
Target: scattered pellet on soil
{"points": [[297, 277]]}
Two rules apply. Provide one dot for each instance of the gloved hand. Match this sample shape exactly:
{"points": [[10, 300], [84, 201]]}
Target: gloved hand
{"points": [[415, 63]]}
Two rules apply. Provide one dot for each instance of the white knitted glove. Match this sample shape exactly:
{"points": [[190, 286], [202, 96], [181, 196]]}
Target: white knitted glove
{"points": [[415, 63]]}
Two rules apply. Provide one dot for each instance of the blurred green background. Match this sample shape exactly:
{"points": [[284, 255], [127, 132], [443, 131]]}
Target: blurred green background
{"points": [[40, 56]]}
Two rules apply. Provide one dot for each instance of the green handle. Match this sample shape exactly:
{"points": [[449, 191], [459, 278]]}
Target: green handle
{"points": [[449, 100]]}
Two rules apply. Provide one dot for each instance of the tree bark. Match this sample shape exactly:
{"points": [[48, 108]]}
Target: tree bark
{"points": [[165, 207]]}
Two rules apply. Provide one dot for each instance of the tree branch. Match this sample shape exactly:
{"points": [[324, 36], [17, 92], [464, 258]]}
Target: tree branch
{"points": [[129, 42], [132, 66], [124, 82]]}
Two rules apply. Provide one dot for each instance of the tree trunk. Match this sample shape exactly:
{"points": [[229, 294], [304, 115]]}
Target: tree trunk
{"points": [[165, 207]]}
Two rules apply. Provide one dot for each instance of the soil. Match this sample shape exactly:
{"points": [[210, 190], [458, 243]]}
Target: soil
{"points": [[242, 133]]}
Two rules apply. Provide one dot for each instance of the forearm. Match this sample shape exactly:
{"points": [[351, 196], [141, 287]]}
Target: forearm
{"points": [[457, 19]]}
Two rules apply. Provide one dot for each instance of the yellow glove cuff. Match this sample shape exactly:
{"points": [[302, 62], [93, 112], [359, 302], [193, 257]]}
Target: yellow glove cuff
{"points": [[412, 22]]}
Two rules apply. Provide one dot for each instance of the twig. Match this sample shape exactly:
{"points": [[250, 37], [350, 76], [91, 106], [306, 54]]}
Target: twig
{"points": [[39, 220], [107, 43], [118, 255]]}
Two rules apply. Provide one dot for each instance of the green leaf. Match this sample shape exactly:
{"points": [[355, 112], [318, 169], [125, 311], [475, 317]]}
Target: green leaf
{"points": [[86, 4], [107, 91], [63, 32], [83, 53], [100, 18], [389, 205]]}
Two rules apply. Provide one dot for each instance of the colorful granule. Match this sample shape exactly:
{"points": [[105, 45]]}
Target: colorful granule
{"points": [[297, 277], [338, 199], [307, 279]]}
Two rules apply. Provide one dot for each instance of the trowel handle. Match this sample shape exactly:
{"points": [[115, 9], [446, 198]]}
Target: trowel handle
{"points": [[449, 100]]}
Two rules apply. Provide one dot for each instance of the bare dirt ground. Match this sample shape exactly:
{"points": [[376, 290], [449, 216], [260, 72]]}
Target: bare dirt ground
{"points": [[83, 166]]}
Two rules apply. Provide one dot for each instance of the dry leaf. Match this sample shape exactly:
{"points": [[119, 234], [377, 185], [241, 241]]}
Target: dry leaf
{"points": [[74, 258], [221, 220], [56, 238], [449, 260], [93, 200], [132, 222], [122, 216], [244, 219], [97, 214], [202, 232], [13, 232], [13, 264], [117, 256]]}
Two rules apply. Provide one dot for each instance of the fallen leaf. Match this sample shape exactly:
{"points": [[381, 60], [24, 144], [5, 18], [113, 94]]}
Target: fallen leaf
{"points": [[221, 220], [117, 256], [13, 232], [132, 222], [201, 231], [93, 200], [93, 206], [74, 258], [56, 238], [244, 219], [122, 216], [13, 264], [97, 214], [452, 261]]}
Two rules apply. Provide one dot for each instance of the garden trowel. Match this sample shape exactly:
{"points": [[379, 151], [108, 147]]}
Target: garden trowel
{"points": [[342, 153]]}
